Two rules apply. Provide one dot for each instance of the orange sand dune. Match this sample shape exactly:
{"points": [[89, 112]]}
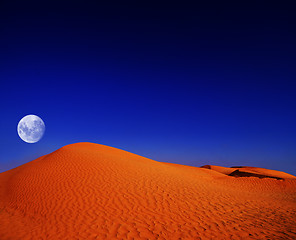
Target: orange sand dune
{"points": [[250, 172], [265, 172], [224, 170], [91, 191]]}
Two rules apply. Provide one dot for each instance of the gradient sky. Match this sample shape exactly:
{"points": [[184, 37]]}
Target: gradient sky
{"points": [[188, 84]]}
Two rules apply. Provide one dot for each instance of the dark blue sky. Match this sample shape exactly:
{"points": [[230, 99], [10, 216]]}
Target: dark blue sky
{"points": [[189, 84]]}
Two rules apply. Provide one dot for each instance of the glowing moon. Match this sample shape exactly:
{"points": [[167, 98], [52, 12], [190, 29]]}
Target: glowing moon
{"points": [[31, 128]]}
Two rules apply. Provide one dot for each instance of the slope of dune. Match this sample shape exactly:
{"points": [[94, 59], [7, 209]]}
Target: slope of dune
{"points": [[224, 170], [263, 172], [245, 171], [91, 191]]}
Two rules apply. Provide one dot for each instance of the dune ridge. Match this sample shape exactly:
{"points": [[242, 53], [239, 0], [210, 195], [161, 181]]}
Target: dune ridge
{"points": [[245, 171], [92, 191]]}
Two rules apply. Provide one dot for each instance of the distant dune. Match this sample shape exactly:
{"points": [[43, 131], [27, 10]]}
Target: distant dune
{"points": [[250, 172], [91, 191]]}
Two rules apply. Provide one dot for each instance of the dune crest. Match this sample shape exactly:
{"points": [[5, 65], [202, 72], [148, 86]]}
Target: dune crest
{"points": [[92, 191], [244, 171]]}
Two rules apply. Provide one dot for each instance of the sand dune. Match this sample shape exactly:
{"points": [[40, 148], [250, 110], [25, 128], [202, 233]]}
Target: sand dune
{"points": [[244, 171], [91, 191], [224, 170]]}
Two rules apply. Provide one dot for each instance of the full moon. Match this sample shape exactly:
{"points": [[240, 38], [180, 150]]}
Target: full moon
{"points": [[31, 128]]}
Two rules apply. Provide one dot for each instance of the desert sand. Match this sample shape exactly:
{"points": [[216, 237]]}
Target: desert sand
{"points": [[250, 172], [92, 191]]}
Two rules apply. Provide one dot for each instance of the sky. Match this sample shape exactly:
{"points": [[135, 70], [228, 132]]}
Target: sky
{"points": [[189, 84]]}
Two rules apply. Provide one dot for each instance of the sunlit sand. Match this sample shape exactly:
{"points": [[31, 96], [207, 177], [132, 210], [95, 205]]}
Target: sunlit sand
{"points": [[92, 191]]}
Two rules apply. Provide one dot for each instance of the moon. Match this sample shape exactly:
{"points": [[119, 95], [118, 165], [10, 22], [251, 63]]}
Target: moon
{"points": [[31, 128]]}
